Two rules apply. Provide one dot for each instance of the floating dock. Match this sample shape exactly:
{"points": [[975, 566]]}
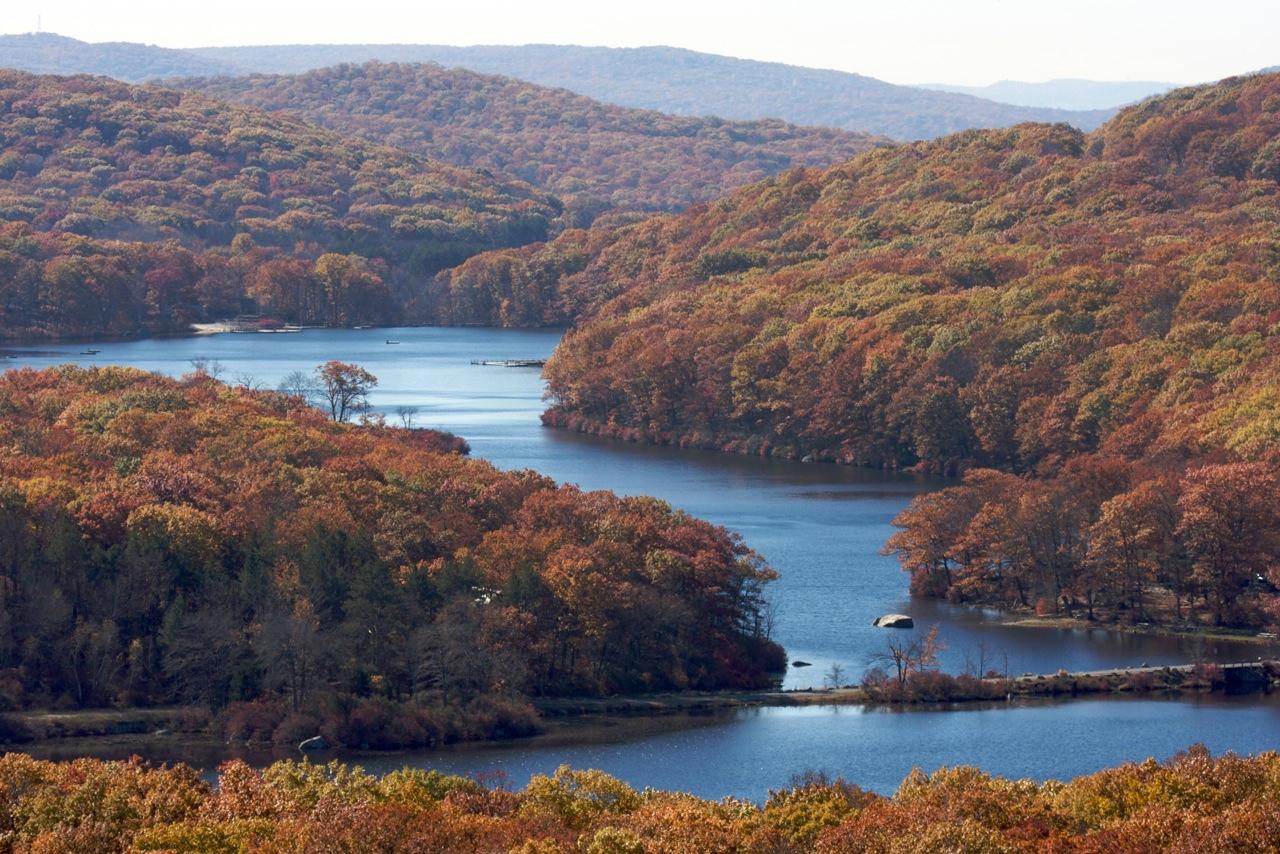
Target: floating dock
{"points": [[510, 363]]}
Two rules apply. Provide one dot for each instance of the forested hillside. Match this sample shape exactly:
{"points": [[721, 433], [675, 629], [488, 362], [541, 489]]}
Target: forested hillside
{"points": [[126, 209], [172, 541], [1099, 311], [595, 157]]}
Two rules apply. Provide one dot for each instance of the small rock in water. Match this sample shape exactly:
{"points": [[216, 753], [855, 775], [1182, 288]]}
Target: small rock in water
{"points": [[799, 663], [894, 621]]}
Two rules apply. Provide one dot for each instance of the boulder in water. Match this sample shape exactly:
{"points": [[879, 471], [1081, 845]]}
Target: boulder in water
{"points": [[894, 621]]}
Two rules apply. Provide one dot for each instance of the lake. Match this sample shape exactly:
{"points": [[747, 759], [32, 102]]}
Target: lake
{"points": [[821, 526]]}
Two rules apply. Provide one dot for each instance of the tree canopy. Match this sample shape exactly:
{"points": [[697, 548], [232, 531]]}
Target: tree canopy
{"points": [[183, 541], [127, 209], [1025, 300], [596, 157]]}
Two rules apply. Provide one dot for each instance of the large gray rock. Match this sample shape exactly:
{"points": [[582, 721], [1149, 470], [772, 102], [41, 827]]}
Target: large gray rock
{"points": [[314, 743], [894, 621]]}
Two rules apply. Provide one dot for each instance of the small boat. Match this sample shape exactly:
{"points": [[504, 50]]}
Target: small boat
{"points": [[361, 326], [389, 341], [90, 352]]}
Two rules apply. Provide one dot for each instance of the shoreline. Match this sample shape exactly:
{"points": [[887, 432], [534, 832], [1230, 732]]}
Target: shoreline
{"points": [[1209, 633], [1173, 680], [577, 719]]}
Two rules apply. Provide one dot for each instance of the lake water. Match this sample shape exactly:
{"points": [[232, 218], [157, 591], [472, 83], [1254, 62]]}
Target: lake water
{"points": [[745, 753], [821, 526]]}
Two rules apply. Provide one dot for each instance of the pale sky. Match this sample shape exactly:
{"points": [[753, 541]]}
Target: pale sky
{"points": [[903, 41]]}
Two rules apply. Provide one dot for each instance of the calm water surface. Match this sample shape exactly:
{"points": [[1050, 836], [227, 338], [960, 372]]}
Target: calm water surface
{"points": [[820, 526], [747, 752]]}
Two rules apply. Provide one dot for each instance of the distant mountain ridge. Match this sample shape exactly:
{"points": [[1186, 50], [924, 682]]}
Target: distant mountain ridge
{"points": [[1063, 94], [594, 156], [49, 53], [686, 82], [670, 80]]}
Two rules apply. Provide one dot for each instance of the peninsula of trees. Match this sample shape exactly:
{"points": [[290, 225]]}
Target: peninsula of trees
{"points": [[184, 541]]}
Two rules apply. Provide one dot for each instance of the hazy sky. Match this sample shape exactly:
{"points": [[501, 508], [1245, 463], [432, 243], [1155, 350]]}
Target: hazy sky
{"points": [[904, 41]]}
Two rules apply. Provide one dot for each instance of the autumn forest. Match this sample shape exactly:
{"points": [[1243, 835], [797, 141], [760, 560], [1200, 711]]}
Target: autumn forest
{"points": [[1058, 349]]}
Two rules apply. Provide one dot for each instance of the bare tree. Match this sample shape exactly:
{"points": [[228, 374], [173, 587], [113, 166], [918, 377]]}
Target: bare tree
{"points": [[294, 651], [977, 661], [300, 384], [248, 381], [912, 655], [834, 677], [405, 414], [204, 367]]}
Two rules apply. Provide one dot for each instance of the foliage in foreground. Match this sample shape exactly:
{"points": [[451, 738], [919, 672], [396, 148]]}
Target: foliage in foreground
{"points": [[183, 541], [1192, 803]]}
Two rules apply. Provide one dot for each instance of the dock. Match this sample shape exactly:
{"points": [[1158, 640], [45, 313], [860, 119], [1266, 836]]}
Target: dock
{"points": [[510, 363]]}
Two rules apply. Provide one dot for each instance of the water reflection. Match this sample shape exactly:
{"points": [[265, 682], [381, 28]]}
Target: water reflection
{"points": [[745, 753]]}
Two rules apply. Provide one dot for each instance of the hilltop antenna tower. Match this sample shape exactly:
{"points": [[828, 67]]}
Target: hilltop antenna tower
{"points": [[37, 25]]}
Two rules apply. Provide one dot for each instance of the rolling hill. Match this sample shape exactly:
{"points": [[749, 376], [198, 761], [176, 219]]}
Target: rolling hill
{"points": [[594, 156], [685, 82], [128, 209], [669, 80], [1100, 310]]}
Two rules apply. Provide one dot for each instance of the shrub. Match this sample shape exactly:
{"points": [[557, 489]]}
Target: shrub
{"points": [[13, 730], [726, 261], [254, 720]]}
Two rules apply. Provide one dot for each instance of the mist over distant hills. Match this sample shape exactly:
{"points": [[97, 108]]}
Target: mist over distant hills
{"points": [[666, 79], [685, 82], [49, 53], [1063, 94]]}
